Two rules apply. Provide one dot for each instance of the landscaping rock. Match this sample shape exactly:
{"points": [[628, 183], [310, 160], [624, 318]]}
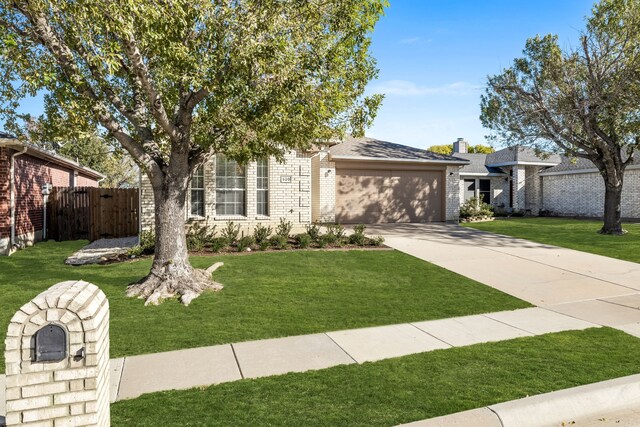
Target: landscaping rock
{"points": [[103, 251]]}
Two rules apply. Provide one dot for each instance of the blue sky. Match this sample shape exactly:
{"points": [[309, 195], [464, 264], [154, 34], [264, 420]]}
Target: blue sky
{"points": [[434, 56]]}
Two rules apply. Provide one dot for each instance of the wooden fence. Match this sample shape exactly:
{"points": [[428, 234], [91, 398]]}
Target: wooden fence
{"points": [[92, 213]]}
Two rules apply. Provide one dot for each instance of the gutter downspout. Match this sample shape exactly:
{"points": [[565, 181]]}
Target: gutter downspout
{"points": [[12, 196]]}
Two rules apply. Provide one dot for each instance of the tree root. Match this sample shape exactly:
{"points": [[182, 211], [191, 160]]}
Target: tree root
{"points": [[157, 287]]}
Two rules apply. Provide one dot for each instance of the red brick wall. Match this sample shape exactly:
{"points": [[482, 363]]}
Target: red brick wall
{"points": [[5, 225], [31, 174]]}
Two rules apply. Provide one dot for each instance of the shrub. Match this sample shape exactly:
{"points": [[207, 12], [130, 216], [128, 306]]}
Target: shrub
{"points": [[359, 228], [279, 242], [245, 243], [261, 233], [336, 230], [303, 240], [313, 230], [475, 208], [376, 241], [230, 232], [218, 244], [357, 239], [264, 245], [135, 251], [148, 241], [284, 228], [326, 240], [199, 236]]}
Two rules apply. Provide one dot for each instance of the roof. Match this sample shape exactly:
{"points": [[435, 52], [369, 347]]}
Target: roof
{"points": [[11, 141], [478, 165], [374, 149], [576, 164], [519, 155]]}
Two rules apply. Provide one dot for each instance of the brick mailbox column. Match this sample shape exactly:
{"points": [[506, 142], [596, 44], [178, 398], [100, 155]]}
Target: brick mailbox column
{"points": [[57, 358]]}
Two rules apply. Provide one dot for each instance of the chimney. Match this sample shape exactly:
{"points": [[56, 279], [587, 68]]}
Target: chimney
{"points": [[460, 146]]}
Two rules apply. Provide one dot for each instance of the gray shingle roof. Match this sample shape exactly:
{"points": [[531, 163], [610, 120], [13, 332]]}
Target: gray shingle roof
{"points": [[570, 164], [4, 135], [478, 164], [519, 154], [376, 149]]}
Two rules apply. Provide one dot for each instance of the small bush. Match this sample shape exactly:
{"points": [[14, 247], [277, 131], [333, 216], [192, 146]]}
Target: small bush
{"points": [[279, 242], [359, 228], [475, 208], [264, 245], [284, 228], [218, 244], [230, 232], [245, 243], [313, 230], [326, 240], [261, 233], [357, 239], [303, 240], [376, 241], [199, 236], [135, 251], [148, 241], [336, 230]]}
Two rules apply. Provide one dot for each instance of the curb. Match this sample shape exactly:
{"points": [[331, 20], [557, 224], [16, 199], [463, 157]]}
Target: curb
{"points": [[549, 409]]}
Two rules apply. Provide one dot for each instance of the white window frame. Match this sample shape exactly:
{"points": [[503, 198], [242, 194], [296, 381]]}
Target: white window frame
{"points": [[262, 165], [231, 189], [198, 172]]}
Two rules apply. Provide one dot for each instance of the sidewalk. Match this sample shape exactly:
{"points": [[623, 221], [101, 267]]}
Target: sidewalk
{"points": [[182, 369]]}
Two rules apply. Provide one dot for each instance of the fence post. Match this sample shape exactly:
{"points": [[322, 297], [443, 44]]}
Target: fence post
{"points": [[57, 358]]}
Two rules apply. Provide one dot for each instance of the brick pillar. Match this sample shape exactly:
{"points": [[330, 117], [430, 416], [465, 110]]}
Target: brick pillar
{"points": [[454, 195], [73, 389], [519, 193]]}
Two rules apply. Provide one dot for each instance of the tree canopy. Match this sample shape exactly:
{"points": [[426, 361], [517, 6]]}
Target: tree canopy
{"points": [[584, 101], [448, 149], [177, 81]]}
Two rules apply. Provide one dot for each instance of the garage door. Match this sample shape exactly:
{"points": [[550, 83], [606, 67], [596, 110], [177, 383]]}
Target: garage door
{"points": [[382, 196]]}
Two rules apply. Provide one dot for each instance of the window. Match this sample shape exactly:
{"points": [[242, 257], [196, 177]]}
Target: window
{"points": [[469, 189], [230, 187], [485, 190], [263, 187], [197, 192]]}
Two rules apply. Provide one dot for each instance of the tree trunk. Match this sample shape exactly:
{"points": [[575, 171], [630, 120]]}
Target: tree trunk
{"points": [[612, 209], [171, 273]]}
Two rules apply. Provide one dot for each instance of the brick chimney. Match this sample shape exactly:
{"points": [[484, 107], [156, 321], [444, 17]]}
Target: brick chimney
{"points": [[460, 146]]}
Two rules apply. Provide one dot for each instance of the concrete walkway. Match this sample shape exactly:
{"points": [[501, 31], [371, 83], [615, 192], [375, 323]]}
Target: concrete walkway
{"points": [[589, 287], [182, 369]]}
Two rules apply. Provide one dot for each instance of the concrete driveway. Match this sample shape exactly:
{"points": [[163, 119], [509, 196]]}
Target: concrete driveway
{"points": [[590, 287]]}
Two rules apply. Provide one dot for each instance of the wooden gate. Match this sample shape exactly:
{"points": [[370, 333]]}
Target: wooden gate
{"points": [[92, 213]]}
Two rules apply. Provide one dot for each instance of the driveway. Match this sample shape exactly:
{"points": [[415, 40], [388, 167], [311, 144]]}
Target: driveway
{"points": [[590, 287]]}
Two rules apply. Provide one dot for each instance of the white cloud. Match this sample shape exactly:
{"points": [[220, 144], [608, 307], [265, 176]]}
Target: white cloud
{"points": [[407, 88]]}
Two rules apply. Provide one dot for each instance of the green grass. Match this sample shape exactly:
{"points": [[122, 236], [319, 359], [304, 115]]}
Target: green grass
{"points": [[576, 234], [401, 390], [266, 295]]}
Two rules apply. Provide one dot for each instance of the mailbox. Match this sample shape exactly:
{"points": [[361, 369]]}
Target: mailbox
{"points": [[50, 344]]}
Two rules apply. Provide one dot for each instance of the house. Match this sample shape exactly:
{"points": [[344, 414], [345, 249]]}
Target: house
{"points": [[359, 180], [517, 179], [24, 171]]}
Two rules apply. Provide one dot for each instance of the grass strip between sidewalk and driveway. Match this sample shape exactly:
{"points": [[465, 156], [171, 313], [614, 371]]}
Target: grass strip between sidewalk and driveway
{"points": [[578, 234], [400, 390], [266, 295]]}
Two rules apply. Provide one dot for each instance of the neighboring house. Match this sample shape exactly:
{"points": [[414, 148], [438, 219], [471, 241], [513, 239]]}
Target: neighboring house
{"points": [[24, 171], [515, 179], [361, 180]]}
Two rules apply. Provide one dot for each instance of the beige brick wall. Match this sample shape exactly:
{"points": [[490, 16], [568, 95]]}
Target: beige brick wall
{"points": [[289, 195], [74, 391], [452, 198], [324, 188], [582, 194]]}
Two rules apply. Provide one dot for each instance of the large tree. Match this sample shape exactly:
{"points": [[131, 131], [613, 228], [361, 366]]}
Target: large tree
{"points": [[584, 102], [448, 149], [177, 81]]}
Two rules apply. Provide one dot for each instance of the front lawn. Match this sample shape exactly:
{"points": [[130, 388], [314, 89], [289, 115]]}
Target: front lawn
{"points": [[400, 390], [581, 235], [266, 295]]}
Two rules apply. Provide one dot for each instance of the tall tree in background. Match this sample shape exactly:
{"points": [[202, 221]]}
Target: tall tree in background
{"points": [[448, 149], [585, 102], [176, 81]]}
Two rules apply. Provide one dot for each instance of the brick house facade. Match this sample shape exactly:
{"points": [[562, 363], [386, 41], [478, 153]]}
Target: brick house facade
{"points": [[32, 169]]}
